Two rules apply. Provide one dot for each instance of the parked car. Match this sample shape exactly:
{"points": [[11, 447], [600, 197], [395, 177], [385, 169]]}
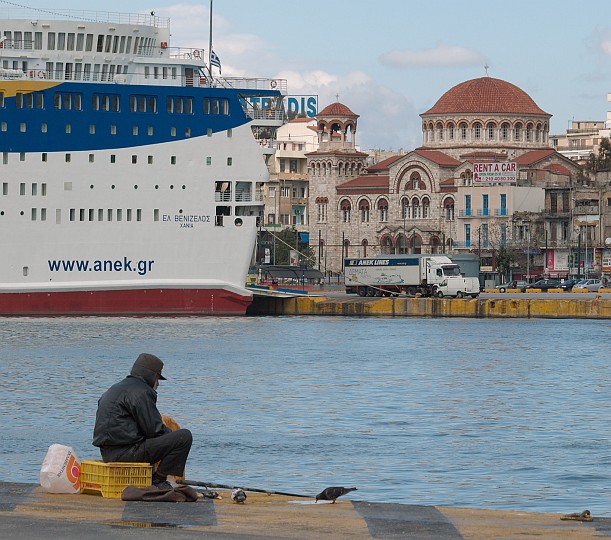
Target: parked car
{"points": [[592, 285], [515, 284], [543, 284], [568, 284]]}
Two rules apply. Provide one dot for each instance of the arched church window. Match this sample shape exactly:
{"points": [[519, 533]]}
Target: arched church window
{"points": [[364, 211], [415, 208], [463, 131], [477, 128], [517, 132], [440, 131], [491, 128], [383, 209], [345, 211], [451, 131], [426, 207], [505, 131]]}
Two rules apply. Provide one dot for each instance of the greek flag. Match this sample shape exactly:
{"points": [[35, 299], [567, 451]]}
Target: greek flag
{"points": [[215, 60]]}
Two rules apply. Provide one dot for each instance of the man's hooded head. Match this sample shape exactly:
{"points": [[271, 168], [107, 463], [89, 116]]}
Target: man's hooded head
{"points": [[148, 367]]}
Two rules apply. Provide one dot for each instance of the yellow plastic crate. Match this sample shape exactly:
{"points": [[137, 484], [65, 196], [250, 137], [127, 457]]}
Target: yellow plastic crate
{"points": [[110, 479]]}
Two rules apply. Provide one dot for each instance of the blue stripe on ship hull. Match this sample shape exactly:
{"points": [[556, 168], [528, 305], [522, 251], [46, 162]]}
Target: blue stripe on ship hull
{"points": [[80, 139]]}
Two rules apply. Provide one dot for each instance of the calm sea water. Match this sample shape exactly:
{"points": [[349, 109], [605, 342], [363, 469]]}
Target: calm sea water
{"points": [[511, 414]]}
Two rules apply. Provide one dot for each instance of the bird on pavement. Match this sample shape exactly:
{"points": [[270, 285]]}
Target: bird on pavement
{"points": [[238, 495], [332, 493]]}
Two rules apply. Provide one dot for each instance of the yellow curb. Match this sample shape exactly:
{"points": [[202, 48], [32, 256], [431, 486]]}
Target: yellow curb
{"points": [[555, 290], [533, 290], [580, 290]]}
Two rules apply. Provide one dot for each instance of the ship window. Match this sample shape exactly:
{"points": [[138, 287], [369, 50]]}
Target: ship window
{"points": [[138, 214], [109, 214], [2, 99], [72, 214], [3, 126], [172, 132], [89, 42], [225, 104], [150, 160], [135, 131], [26, 270], [51, 41], [67, 158], [33, 214], [174, 73], [209, 132], [80, 38], [146, 72], [68, 128], [113, 158], [22, 188], [43, 189], [40, 101], [164, 72], [150, 131], [229, 133], [156, 72], [87, 72], [122, 45], [91, 129], [91, 158], [187, 132], [128, 44], [119, 214], [115, 44], [22, 156], [91, 214], [134, 159], [38, 40], [108, 40], [81, 214], [58, 216], [5, 158], [70, 43], [173, 160], [67, 186], [22, 127], [43, 214], [4, 188], [215, 106], [229, 162], [129, 214], [100, 214], [113, 129], [206, 106], [156, 214], [61, 41], [44, 156], [209, 160], [34, 189]]}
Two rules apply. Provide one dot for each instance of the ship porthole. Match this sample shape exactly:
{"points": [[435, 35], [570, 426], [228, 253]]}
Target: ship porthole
{"points": [[157, 186], [136, 186], [171, 186], [238, 222], [91, 186], [184, 187], [112, 187]]}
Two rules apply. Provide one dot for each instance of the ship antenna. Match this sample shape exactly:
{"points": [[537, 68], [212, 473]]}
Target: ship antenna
{"points": [[210, 44]]}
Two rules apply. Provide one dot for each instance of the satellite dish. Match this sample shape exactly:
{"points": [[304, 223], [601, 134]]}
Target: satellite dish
{"points": [[607, 241]]}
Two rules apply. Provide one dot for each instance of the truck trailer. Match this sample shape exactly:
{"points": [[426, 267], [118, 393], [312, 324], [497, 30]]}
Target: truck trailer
{"points": [[391, 275]]}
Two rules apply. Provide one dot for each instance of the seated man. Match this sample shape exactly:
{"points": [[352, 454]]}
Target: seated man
{"points": [[128, 426]]}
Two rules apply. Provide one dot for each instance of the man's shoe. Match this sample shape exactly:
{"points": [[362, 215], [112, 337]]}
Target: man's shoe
{"points": [[163, 485]]}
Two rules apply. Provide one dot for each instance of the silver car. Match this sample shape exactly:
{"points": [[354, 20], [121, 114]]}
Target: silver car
{"points": [[591, 285]]}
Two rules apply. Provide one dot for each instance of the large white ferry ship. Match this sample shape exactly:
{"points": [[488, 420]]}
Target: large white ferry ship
{"points": [[130, 178]]}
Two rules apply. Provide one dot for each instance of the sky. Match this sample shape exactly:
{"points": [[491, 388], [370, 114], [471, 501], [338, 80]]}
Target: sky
{"points": [[391, 60]]}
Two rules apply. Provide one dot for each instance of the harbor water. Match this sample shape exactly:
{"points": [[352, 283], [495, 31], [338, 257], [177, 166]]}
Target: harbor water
{"points": [[503, 414]]}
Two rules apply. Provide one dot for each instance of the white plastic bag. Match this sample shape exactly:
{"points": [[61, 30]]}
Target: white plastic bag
{"points": [[60, 471]]}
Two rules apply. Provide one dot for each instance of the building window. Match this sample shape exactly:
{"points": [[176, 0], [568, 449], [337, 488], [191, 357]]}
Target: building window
{"points": [[467, 235], [383, 210], [364, 211], [345, 211]]}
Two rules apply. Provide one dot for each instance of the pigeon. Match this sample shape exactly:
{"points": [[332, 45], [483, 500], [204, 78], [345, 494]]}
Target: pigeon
{"points": [[332, 493], [238, 495]]}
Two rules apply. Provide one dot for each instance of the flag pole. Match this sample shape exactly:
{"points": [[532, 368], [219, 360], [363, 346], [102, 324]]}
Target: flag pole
{"points": [[210, 43]]}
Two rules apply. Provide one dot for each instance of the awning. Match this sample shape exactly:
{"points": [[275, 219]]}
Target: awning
{"points": [[279, 271]]}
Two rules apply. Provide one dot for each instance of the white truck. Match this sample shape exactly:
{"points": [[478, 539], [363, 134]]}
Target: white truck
{"points": [[429, 275]]}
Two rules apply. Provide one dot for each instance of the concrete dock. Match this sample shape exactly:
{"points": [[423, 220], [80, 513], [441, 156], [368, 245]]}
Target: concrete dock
{"points": [[555, 307], [26, 512]]}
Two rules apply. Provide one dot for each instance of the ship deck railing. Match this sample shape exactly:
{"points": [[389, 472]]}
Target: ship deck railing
{"points": [[141, 19]]}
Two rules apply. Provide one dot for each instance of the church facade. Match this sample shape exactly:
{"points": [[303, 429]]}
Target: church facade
{"points": [[431, 199]]}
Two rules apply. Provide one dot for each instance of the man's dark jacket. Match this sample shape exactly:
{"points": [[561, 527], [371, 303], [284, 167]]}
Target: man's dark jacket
{"points": [[127, 414]]}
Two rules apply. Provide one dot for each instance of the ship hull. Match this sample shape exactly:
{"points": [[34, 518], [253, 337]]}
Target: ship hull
{"points": [[125, 302]]}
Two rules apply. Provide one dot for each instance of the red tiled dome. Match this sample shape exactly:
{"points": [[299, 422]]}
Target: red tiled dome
{"points": [[485, 95], [337, 109]]}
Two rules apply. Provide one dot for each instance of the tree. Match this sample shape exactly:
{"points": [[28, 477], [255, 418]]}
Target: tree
{"points": [[504, 258], [285, 241]]}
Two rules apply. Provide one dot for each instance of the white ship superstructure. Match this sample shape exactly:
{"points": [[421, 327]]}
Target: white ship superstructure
{"points": [[130, 179]]}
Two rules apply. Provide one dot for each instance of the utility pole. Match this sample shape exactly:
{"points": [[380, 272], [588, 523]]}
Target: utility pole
{"points": [[579, 255]]}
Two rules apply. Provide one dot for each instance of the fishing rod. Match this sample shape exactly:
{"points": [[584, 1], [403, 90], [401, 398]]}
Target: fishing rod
{"points": [[255, 490]]}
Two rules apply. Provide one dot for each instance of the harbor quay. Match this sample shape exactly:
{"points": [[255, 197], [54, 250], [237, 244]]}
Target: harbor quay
{"points": [[558, 306], [30, 513]]}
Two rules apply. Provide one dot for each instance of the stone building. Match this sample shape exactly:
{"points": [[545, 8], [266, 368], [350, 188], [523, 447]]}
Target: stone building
{"points": [[430, 200]]}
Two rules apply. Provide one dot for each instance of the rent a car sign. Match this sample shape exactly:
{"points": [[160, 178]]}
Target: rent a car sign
{"points": [[506, 172]]}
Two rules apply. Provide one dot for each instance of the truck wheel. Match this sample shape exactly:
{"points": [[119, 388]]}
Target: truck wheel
{"points": [[459, 294], [502, 289], [362, 291], [474, 296], [439, 294], [370, 291]]}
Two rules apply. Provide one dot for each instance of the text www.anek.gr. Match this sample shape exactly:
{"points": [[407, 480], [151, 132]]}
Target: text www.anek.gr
{"points": [[118, 265]]}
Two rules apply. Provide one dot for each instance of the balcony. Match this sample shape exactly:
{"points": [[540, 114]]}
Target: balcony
{"points": [[500, 212], [483, 212], [589, 209], [464, 212]]}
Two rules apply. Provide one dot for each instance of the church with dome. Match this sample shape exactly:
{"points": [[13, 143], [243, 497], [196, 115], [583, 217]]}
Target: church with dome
{"points": [[431, 199]]}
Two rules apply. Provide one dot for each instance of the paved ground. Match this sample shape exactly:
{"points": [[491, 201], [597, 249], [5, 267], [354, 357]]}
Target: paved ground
{"points": [[27, 513]]}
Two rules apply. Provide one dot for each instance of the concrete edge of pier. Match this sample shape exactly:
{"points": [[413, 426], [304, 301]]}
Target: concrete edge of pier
{"points": [[28, 513], [553, 308]]}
